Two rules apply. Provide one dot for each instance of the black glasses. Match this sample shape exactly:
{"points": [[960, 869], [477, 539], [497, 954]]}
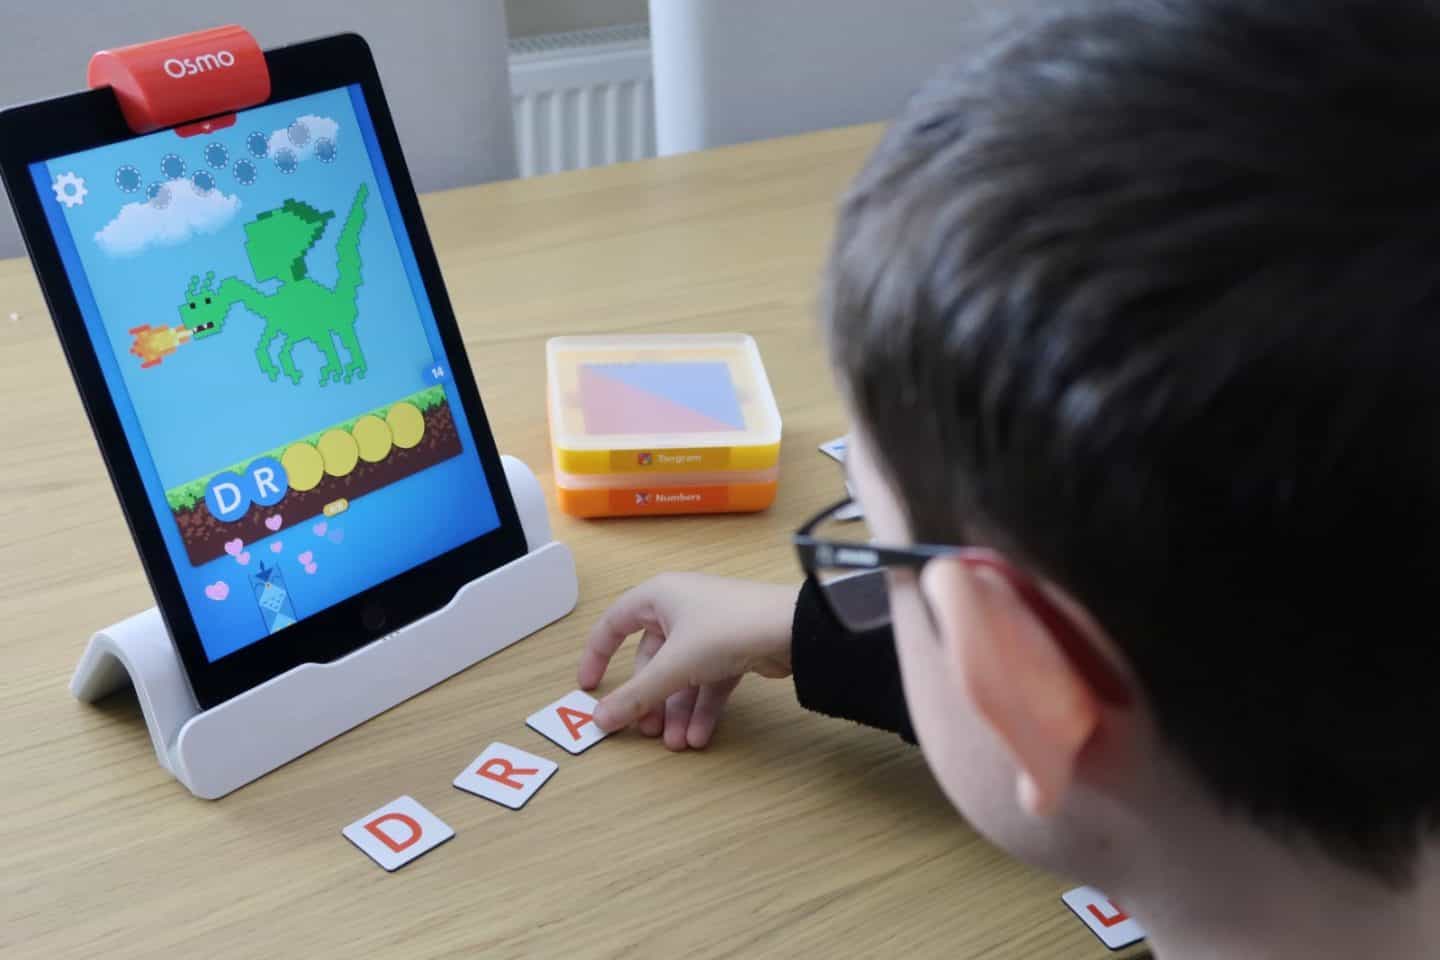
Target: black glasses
{"points": [[851, 574], [852, 580]]}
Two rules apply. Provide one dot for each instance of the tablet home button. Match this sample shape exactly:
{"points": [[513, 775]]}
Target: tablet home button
{"points": [[373, 618]]}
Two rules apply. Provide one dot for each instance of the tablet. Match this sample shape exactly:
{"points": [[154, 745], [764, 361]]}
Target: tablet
{"points": [[257, 325]]}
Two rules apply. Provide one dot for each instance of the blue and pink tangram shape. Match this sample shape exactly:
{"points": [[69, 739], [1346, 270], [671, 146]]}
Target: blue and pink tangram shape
{"points": [[660, 424], [659, 398]]}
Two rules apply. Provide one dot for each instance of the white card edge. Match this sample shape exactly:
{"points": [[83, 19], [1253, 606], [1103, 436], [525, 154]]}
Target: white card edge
{"points": [[1093, 932]]}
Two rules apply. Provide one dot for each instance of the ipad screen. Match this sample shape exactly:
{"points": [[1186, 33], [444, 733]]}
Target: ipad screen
{"points": [[262, 326]]}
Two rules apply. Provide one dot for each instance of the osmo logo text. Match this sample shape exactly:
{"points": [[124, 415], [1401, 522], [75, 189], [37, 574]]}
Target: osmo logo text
{"points": [[179, 69]]}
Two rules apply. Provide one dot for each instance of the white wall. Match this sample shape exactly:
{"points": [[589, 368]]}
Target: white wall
{"points": [[727, 71]]}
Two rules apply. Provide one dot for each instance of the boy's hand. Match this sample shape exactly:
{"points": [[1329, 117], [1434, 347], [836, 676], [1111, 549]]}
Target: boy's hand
{"points": [[701, 634]]}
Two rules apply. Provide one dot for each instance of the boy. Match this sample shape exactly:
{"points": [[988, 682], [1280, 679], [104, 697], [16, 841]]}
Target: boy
{"points": [[1139, 320]]}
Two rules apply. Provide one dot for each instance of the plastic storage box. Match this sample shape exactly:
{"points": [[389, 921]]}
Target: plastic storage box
{"points": [[661, 424]]}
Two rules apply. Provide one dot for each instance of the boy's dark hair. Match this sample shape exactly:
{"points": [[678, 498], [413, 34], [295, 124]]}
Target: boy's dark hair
{"points": [[1150, 299]]}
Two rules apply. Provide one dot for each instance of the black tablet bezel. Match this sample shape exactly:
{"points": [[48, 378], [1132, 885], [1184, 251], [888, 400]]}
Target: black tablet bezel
{"points": [[42, 131]]}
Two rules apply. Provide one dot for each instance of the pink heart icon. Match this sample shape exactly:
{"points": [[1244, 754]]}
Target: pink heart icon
{"points": [[305, 558], [319, 529], [218, 590], [272, 523], [309, 568], [233, 547], [243, 557], [276, 547], [337, 535]]}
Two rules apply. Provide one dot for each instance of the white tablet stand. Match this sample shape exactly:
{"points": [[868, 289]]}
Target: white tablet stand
{"points": [[215, 751]]}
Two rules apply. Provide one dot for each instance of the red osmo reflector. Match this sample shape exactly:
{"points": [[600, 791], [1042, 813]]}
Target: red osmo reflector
{"points": [[169, 82]]}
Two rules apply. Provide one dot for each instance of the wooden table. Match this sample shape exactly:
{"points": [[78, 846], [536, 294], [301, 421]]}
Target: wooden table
{"points": [[793, 835]]}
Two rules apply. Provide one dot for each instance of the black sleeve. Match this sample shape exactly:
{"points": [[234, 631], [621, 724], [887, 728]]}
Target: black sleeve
{"points": [[842, 674]]}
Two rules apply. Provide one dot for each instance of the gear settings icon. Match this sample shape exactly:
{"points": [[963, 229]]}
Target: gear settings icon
{"points": [[69, 189]]}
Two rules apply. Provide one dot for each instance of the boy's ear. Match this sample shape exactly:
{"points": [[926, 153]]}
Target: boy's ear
{"points": [[1016, 674]]}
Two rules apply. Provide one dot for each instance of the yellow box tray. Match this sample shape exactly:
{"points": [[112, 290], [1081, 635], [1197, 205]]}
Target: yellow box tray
{"points": [[686, 403]]}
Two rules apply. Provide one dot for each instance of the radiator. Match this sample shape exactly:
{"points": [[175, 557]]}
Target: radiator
{"points": [[582, 99]]}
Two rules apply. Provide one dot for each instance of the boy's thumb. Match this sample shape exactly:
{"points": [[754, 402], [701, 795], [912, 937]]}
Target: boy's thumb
{"points": [[643, 692]]}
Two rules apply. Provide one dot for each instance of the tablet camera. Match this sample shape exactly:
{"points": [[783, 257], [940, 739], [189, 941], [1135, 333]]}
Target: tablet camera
{"points": [[128, 178], [325, 150], [172, 166], [258, 144], [286, 161], [245, 172], [217, 155]]}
